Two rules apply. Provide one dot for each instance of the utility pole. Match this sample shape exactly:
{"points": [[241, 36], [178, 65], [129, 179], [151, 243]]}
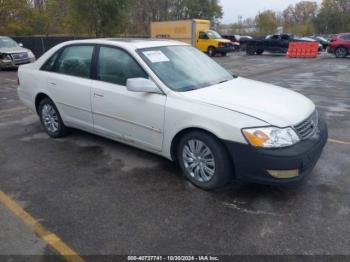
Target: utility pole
{"points": [[240, 24]]}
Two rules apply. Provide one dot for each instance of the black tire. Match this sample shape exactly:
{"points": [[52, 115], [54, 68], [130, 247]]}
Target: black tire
{"points": [[341, 52], [211, 51], [250, 50], [223, 167], [58, 131], [224, 54], [259, 52]]}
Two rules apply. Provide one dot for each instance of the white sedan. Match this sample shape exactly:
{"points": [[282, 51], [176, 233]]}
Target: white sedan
{"points": [[170, 99]]}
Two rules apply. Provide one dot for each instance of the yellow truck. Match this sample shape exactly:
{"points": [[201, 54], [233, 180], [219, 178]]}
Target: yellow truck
{"points": [[195, 32]]}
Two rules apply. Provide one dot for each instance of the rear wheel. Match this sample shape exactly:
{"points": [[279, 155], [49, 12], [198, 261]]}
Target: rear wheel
{"points": [[211, 51], [51, 120], [204, 161], [259, 52], [341, 52]]}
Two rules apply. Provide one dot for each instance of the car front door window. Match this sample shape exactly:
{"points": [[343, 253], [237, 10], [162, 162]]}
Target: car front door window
{"points": [[203, 36], [116, 66]]}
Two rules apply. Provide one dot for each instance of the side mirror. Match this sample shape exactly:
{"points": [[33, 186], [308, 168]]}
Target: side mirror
{"points": [[142, 85], [20, 44]]}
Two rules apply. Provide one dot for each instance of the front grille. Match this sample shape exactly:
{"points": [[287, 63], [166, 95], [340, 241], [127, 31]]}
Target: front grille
{"points": [[20, 56], [308, 128]]}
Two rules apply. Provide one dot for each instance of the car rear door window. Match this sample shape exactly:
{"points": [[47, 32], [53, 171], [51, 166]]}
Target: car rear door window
{"points": [[75, 61], [117, 66]]}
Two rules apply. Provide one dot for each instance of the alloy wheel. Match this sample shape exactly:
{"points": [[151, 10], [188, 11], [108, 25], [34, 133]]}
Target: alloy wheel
{"points": [[198, 160], [341, 52], [50, 118]]}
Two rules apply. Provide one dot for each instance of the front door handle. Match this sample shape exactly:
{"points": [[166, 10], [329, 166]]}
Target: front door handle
{"points": [[52, 84], [98, 95]]}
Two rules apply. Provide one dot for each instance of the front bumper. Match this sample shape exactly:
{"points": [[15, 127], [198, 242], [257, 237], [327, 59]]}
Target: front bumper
{"points": [[225, 49], [7, 63], [253, 164]]}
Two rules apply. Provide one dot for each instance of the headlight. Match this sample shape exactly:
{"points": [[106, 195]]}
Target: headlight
{"points": [[31, 55], [5, 57], [271, 137]]}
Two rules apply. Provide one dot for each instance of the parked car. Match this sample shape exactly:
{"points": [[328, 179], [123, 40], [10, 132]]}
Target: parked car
{"points": [[274, 43], [243, 37], [309, 39], [12, 54], [235, 43], [169, 98], [340, 45], [243, 40], [323, 41]]}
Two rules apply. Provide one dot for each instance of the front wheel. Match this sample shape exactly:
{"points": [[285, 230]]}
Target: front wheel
{"points": [[211, 51], [341, 52], [51, 120], [204, 160], [259, 52]]}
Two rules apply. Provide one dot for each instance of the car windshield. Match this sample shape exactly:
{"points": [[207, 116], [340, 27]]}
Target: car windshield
{"points": [[184, 68], [6, 42], [213, 35]]}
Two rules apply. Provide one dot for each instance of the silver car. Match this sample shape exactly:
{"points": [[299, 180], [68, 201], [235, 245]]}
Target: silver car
{"points": [[12, 54]]}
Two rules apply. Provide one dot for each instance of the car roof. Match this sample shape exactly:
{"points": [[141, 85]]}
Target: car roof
{"points": [[133, 43]]}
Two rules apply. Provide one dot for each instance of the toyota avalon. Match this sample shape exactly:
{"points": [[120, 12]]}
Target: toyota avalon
{"points": [[168, 98]]}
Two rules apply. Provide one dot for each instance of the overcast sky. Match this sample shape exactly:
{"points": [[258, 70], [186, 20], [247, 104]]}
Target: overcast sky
{"points": [[249, 8]]}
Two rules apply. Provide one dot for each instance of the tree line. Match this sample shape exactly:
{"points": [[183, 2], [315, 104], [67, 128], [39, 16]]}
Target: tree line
{"points": [[99, 18], [303, 18], [102, 18]]}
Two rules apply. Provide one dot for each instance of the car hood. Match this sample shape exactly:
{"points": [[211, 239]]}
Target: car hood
{"points": [[223, 40], [13, 50], [274, 105]]}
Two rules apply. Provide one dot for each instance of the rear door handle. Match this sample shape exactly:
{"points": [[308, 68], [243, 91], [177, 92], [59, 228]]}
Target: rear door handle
{"points": [[98, 95], [52, 84]]}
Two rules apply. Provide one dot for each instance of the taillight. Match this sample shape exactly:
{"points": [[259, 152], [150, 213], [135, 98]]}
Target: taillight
{"points": [[221, 44], [18, 83]]}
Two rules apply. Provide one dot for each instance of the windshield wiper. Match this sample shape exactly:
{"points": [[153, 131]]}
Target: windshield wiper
{"points": [[223, 81]]}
